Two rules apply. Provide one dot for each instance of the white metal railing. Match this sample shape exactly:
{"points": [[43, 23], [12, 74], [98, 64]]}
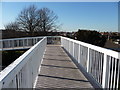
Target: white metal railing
{"points": [[102, 64], [18, 43], [23, 71], [54, 40], [25, 43]]}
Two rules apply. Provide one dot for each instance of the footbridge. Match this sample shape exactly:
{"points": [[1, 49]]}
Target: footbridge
{"points": [[58, 62]]}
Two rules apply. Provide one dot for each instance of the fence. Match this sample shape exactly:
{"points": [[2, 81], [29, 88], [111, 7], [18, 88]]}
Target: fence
{"points": [[27, 42], [18, 43], [54, 40], [23, 71], [102, 64]]}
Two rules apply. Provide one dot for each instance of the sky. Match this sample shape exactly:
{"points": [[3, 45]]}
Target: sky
{"points": [[99, 16]]}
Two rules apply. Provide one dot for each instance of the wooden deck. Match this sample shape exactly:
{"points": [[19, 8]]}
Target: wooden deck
{"points": [[59, 71]]}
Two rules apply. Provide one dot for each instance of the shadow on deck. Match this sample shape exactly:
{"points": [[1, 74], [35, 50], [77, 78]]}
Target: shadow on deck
{"points": [[59, 71]]}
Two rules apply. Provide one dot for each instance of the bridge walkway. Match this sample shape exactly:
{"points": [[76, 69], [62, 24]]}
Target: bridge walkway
{"points": [[59, 71]]}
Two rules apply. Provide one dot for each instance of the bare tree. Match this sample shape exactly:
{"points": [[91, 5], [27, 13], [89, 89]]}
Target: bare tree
{"points": [[47, 20], [32, 19], [28, 19], [12, 26]]}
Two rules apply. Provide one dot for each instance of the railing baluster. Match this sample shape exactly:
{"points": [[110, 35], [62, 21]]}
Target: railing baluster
{"points": [[73, 49], [18, 74], [98, 64], [115, 65], [79, 54], [8, 44], [104, 72], [118, 75], [23, 43], [18, 43], [88, 62], [97, 61]]}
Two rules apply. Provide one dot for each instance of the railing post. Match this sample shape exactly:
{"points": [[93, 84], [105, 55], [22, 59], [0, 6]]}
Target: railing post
{"points": [[79, 54], [9, 44], [73, 49], [104, 71], [13, 44], [18, 43], [27, 42], [61, 41], [35, 40], [69, 46], [23, 43], [88, 60], [1, 44], [118, 74]]}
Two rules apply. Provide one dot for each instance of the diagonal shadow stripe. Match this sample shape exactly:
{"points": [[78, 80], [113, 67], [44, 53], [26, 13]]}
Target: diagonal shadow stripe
{"points": [[58, 66], [63, 78], [55, 55], [57, 60]]}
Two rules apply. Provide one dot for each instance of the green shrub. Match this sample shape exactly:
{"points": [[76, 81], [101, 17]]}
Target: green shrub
{"points": [[9, 56]]}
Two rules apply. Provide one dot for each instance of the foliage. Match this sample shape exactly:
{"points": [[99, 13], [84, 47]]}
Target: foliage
{"points": [[9, 56], [92, 37]]}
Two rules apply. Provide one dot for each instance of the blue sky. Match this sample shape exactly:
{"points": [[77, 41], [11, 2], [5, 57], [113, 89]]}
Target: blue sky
{"points": [[100, 16]]}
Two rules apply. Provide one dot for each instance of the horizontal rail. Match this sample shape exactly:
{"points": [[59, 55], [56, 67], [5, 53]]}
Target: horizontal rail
{"points": [[28, 38], [97, 48], [25, 43], [23, 71], [19, 43], [102, 64]]}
